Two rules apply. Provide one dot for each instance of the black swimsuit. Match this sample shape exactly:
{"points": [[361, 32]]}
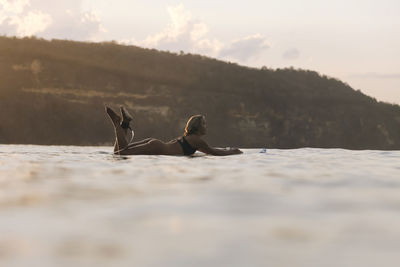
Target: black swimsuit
{"points": [[186, 147]]}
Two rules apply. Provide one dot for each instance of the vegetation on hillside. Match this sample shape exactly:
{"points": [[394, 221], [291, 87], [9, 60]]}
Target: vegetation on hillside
{"points": [[53, 92]]}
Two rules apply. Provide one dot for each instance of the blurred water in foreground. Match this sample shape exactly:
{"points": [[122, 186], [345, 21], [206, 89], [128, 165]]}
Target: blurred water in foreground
{"points": [[82, 206]]}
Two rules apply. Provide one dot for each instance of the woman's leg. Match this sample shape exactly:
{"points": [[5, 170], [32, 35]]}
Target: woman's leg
{"points": [[152, 147], [120, 142], [149, 146], [144, 141], [121, 134], [126, 119]]}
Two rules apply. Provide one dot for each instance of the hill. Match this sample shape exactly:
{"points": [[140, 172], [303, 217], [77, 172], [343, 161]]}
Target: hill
{"points": [[53, 92]]}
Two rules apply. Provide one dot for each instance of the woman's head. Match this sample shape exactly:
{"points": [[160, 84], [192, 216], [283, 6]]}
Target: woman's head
{"points": [[196, 125]]}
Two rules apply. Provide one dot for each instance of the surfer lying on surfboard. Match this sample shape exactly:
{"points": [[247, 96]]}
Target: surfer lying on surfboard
{"points": [[187, 144]]}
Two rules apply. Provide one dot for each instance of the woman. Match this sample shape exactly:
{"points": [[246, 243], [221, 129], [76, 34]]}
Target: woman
{"points": [[184, 145]]}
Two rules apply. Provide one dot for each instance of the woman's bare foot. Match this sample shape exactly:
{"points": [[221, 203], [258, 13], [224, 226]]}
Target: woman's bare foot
{"points": [[113, 116], [126, 118]]}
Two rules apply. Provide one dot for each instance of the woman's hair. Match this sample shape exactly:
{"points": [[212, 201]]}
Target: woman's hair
{"points": [[193, 125]]}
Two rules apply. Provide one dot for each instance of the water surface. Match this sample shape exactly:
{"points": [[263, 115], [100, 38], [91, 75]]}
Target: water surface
{"points": [[82, 206]]}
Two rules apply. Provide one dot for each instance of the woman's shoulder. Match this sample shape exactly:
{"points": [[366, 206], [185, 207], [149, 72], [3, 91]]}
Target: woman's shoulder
{"points": [[194, 139]]}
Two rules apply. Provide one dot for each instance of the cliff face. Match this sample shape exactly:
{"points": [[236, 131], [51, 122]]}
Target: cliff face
{"points": [[53, 92]]}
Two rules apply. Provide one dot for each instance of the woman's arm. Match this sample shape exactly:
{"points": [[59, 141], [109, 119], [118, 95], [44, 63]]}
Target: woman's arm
{"points": [[205, 148]]}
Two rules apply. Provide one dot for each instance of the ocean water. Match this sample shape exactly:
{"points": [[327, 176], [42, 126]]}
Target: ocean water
{"points": [[83, 206]]}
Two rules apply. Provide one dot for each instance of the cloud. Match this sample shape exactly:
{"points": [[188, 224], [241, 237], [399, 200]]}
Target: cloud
{"points": [[76, 25], [14, 20], [291, 54], [182, 33], [45, 18], [33, 22], [16, 6], [67, 20], [190, 35], [246, 48]]}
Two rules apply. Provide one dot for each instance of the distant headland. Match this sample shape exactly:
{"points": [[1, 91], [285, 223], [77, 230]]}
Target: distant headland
{"points": [[53, 92]]}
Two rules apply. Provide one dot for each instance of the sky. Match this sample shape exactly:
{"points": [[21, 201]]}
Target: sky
{"points": [[356, 41]]}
